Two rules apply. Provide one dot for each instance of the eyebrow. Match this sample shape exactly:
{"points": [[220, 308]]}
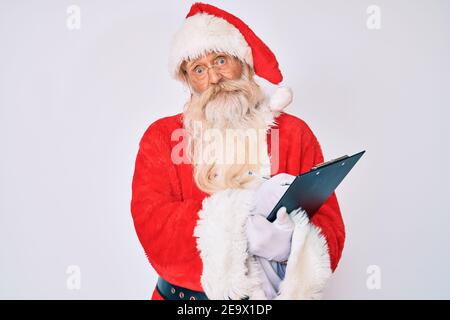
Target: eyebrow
{"points": [[216, 54]]}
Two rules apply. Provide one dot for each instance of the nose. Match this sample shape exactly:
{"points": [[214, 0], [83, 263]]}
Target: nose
{"points": [[214, 76]]}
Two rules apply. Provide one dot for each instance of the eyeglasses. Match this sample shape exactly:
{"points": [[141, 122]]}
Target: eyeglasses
{"points": [[220, 64]]}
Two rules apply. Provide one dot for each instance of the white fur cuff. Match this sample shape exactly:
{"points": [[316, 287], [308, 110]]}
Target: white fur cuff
{"points": [[230, 272]]}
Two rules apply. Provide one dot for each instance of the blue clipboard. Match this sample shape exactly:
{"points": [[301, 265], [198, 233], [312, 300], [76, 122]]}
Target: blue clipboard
{"points": [[311, 189]]}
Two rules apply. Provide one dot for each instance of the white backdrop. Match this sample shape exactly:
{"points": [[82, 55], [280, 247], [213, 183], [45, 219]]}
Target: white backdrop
{"points": [[74, 104]]}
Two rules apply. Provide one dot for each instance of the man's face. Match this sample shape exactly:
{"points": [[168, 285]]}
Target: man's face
{"points": [[223, 117], [211, 69]]}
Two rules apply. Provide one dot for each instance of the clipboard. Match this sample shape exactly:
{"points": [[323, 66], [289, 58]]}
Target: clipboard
{"points": [[311, 189]]}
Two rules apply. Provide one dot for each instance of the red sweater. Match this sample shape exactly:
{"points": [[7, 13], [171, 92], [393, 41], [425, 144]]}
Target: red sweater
{"points": [[165, 199]]}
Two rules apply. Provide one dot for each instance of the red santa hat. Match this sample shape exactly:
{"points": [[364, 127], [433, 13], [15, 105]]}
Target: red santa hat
{"points": [[208, 28]]}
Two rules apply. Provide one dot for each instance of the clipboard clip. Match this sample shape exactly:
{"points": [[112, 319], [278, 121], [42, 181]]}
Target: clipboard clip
{"points": [[317, 166]]}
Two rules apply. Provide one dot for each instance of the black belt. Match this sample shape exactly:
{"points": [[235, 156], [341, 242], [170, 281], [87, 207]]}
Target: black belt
{"points": [[172, 292]]}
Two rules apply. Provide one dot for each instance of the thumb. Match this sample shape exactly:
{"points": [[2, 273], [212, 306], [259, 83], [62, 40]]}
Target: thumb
{"points": [[282, 215], [286, 179], [283, 219]]}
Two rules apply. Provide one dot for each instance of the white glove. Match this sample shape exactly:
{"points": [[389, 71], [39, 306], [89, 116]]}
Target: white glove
{"points": [[269, 193], [270, 240]]}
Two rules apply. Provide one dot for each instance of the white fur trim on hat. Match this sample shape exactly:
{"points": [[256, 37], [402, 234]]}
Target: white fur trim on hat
{"points": [[202, 33]]}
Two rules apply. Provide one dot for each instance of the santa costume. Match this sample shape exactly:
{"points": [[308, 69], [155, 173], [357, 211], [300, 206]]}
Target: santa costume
{"points": [[195, 241]]}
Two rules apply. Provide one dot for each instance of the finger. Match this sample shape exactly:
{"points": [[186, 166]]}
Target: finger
{"points": [[279, 178], [280, 190], [283, 188], [287, 180], [282, 215], [260, 222], [284, 221]]}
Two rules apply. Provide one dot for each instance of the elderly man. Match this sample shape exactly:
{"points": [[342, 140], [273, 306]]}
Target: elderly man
{"points": [[200, 213]]}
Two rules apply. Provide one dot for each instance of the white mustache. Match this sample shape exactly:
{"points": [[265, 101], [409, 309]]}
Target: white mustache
{"points": [[230, 103]]}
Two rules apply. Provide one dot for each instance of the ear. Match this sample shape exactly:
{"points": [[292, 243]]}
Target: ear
{"points": [[182, 73]]}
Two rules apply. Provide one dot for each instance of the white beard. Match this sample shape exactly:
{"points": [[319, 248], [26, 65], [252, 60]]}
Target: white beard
{"points": [[233, 109]]}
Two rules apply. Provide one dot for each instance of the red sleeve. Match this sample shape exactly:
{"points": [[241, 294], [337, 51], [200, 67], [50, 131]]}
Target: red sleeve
{"points": [[328, 218], [164, 221]]}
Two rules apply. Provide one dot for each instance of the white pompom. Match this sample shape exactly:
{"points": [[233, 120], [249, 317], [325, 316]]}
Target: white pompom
{"points": [[281, 98]]}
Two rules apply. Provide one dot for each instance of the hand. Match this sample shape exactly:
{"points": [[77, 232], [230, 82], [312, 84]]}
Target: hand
{"points": [[270, 240], [269, 193]]}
